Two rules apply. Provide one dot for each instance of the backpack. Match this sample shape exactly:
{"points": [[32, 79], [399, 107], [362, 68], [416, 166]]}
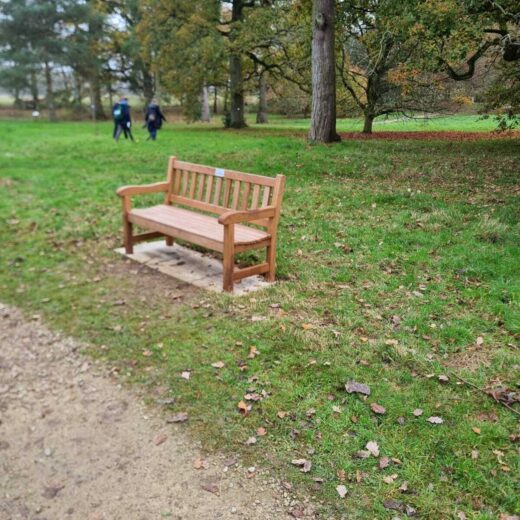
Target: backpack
{"points": [[118, 113], [152, 116]]}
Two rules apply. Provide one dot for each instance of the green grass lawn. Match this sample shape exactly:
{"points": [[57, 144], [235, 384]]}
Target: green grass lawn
{"points": [[398, 263], [395, 123]]}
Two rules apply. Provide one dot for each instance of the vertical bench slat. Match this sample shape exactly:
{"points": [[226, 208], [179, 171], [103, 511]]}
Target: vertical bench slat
{"points": [[177, 182], [245, 196], [256, 196], [209, 186], [227, 192], [193, 182], [185, 177], [202, 179], [218, 189], [265, 198], [236, 195]]}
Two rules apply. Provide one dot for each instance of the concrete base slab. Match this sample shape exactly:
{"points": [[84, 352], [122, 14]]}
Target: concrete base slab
{"points": [[189, 266]]}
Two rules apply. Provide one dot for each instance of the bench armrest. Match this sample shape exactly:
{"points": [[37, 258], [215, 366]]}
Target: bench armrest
{"points": [[128, 191], [234, 217]]}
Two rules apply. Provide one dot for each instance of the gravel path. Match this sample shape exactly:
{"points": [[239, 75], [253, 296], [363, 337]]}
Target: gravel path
{"points": [[74, 444]]}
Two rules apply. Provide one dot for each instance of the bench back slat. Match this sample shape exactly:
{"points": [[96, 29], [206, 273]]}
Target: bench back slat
{"points": [[216, 191]]}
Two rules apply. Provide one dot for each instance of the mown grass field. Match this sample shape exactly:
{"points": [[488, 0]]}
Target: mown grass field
{"points": [[398, 263]]}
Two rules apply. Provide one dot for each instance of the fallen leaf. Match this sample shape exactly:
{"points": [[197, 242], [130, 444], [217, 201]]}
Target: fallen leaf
{"points": [[177, 418], [160, 438], [253, 352], [200, 463], [251, 440], [253, 397], [384, 462], [378, 409], [52, 490], [417, 412], [231, 461], [186, 375], [218, 364], [358, 388], [341, 474], [373, 448], [261, 432], [336, 409], [480, 341], [435, 420], [404, 487], [211, 487], [304, 464], [391, 342], [165, 402], [395, 505], [244, 408], [342, 491], [443, 379], [297, 512], [476, 430], [474, 454], [410, 511], [362, 454], [281, 414], [307, 326], [147, 353], [390, 478]]}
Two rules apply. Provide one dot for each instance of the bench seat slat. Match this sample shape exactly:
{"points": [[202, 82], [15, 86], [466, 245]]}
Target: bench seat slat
{"points": [[188, 222]]}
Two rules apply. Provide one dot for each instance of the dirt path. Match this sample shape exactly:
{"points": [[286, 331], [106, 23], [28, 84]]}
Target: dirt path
{"points": [[75, 445]]}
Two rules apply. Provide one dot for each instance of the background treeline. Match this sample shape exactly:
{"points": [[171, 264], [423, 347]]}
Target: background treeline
{"points": [[209, 56]]}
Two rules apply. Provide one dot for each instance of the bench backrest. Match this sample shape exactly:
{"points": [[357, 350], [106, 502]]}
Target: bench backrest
{"points": [[216, 190]]}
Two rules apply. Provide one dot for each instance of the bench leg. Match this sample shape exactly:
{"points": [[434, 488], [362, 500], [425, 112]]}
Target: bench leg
{"points": [[127, 230], [271, 260], [229, 257], [169, 241]]}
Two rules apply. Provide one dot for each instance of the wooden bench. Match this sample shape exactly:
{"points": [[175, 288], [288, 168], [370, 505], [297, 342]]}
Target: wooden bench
{"points": [[193, 195]]}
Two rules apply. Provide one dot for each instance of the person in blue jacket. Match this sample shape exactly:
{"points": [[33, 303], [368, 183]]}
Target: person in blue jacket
{"points": [[153, 119], [122, 119]]}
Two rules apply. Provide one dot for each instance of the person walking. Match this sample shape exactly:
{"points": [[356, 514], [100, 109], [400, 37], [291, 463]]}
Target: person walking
{"points": [[122, 119], [153, 119]]}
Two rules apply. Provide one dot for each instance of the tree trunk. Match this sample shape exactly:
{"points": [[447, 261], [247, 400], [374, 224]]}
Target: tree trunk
{"points": [[215, 101], [367, 126], [226, 99], [205, 115], [17, 101], [323, 114], [51, 107], [78, 94], [148, 86], [236, 80], [110, 95], [236, 85], [97, 106], [34, 89], [261, 116]]}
